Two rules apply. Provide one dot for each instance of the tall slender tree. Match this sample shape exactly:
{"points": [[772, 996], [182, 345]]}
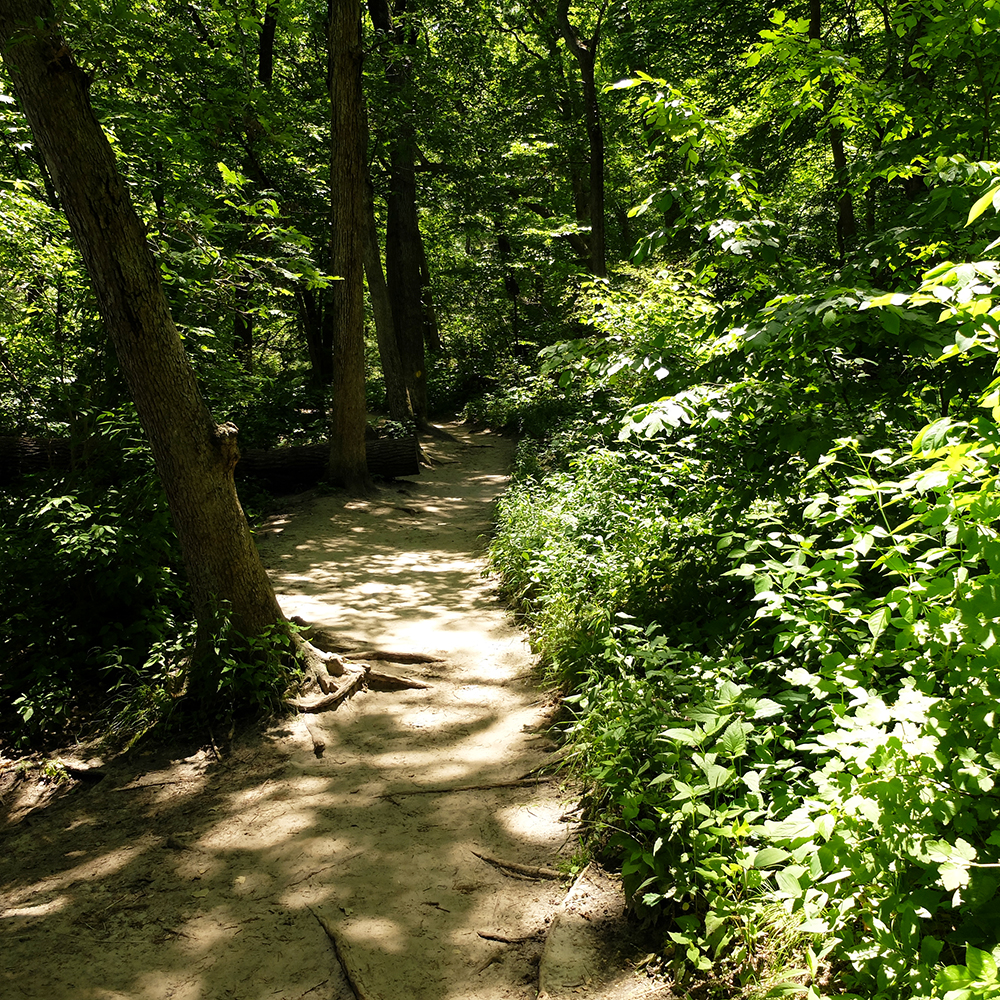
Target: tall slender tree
{"points": [[403, 252], [348, 184]]}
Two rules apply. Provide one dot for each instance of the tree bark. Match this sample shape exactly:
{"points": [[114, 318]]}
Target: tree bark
{"points": [[847, 226], [403, 247], [316, 316], [265, 57], [397, 396], [585, 53], [194, 456], [348, 181]]}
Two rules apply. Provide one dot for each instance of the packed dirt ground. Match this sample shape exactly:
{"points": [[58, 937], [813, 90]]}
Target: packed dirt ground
{"points": [[360, 853]]}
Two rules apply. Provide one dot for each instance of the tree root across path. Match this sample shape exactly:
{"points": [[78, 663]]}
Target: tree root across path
{"points": [[531, 871], [338, 679], [339, 952]]}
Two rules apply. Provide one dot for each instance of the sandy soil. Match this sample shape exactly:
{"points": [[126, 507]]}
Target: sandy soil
{"points": [[269, 870]]}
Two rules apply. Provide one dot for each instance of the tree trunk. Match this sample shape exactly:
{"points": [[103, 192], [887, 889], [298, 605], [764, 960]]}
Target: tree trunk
{"points": [[847, 226], [432, 332], [195, 457], [402, 265], [402, 241], [397, 397], [585, 53], [348, 180], [265, 57], [316, 316]]}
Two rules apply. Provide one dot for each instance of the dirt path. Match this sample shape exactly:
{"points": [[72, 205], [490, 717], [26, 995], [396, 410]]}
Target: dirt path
{"points": [[271, 869]]}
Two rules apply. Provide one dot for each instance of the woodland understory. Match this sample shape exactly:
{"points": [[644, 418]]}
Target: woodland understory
{"points": [[726, 274]]}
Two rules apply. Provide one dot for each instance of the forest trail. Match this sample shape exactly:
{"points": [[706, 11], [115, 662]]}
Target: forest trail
{"points": [[271, 869]]}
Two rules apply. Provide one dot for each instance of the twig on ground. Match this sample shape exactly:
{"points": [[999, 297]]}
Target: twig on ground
{"points": [[305, 878], [532, 871], [313, 989]]}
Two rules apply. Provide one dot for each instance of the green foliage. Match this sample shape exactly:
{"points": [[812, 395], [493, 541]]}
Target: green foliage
{"points": [[782, 675], [250, 674], [90, 580]]}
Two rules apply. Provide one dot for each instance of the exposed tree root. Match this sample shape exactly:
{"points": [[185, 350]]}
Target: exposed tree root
{"points": [[379, 681], [352, 680], [531, 871], [515, 783], [389, 657], [503, 939], [317, 659], [318, 742], [347, 687], [337, 678], [324, 643], [356, 989]]}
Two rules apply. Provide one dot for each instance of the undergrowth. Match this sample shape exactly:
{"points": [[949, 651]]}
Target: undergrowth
{"points": [[776, 624]]}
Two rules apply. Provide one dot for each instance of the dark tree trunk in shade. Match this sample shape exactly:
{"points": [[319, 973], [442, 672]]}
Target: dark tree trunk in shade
{"points": [[432, 333], [397, 396], [402, 265], [348, 183], [316, 316], [194, 456], [847, 226], [403, 247], [265, 57], [585, 53]]}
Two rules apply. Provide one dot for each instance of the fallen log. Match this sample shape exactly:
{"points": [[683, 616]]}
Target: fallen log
{"points": [[300, 465], [20, 456], [278, 468]]}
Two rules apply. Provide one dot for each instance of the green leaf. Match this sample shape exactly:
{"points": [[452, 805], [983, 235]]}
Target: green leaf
{"points": [[686, 736], [787, 882], [878, 621], [734, 740], [769, 857], [814, 926], [980, 964], [982, 204]]}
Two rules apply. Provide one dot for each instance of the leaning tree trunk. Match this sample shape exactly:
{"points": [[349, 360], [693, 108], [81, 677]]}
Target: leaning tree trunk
{"points": [[194, 456], [348, 181]]}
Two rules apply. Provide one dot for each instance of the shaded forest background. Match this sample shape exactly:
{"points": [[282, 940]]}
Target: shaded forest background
{"points": [[725, 272]]}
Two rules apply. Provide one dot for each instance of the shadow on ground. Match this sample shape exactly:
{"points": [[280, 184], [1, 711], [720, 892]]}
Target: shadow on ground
{"points": [[190, 874]]}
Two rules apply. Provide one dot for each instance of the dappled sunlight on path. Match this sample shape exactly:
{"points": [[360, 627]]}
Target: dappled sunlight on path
{"points": [[188, 875]]}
